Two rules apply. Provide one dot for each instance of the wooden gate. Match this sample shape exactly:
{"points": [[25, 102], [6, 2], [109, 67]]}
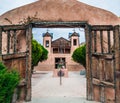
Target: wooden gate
{"points": [[102, 57], [103, 67], [15, 52]]}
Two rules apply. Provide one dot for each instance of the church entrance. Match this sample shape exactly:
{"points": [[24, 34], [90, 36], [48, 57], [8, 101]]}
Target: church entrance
{"points": [[60, 60]]}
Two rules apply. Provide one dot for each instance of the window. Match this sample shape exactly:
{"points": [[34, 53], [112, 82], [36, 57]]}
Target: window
{"points": [[47, 43], [74, 42], [55, 50], [67, 51]]}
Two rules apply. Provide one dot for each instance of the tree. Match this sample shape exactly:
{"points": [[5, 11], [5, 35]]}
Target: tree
{"points": [[39, 53], [79, 55], [44, 55], [36, 52]]}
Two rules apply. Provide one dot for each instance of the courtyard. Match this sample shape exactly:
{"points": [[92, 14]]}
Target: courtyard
{"points": [[47, 89]]}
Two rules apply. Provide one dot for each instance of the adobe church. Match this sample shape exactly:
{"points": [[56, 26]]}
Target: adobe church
{"points": [[59, 50]]}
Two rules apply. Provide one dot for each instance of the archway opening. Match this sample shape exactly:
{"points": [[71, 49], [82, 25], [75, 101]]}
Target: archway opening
{"points": [[59, 30]]}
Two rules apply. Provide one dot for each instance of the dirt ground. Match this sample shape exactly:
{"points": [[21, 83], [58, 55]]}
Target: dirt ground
{"points": [[47, 89]]}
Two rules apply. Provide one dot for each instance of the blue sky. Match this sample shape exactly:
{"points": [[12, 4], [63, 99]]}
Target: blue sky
{"points": [[110, 5], [58, 32]]}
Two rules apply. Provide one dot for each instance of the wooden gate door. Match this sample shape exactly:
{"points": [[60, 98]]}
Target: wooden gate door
{"points": [[103, 63], [15, 52]]}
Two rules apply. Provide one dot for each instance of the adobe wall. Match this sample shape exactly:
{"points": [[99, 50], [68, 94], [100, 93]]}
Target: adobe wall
{"points": [[49, 64], [52, 10]]}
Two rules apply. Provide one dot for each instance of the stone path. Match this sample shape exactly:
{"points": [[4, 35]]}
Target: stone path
{"points": [[47, 89]]}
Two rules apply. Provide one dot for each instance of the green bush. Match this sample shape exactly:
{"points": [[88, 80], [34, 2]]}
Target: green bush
{"points": [[39, 53], [79, 55], [36, 52], [44, 55], [8, 82]]}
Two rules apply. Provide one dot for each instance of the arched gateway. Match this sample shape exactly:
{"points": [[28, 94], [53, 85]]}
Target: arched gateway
{"points": [[102, 52]]}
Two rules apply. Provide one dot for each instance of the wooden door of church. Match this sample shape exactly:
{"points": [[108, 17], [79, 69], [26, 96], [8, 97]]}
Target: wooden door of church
{"points": [[15, 52], [103, 69]]}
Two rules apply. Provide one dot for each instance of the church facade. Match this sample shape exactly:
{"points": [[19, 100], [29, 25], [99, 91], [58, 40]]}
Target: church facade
{"points": [[60, 50]]}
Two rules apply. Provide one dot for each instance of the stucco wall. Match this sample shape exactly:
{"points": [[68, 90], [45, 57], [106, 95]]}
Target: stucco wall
{"points": [[60, 10]]}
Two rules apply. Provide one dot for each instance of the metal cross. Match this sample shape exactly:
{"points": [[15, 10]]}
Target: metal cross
{"points": [[47, 29]]}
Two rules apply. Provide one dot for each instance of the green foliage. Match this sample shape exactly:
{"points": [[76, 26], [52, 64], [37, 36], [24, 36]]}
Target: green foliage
{"points": [[79, 55], [2, 67], [8, 82], [36, 52], [39, 53], [44, 54]]}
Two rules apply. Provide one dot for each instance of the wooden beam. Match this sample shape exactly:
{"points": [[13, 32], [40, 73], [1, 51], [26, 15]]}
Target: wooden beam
{"points": [[8, 42], [105, 56], [101, 41], [88, 63], [0, 44], [117, 61], [15, 41], [95, 41], [28, 62], [59, 24], [102, 27], [14, 56], [0, 40], [109, 43], [13, 27], [100, 83]]}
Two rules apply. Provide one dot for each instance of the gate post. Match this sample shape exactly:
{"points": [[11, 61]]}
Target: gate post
{"points": [[88, 63], [0, 44], [28, 62], [117, 63]]}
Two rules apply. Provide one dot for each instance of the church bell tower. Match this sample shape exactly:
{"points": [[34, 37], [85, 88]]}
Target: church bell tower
{"points": [[74, 39], [47, 39]]}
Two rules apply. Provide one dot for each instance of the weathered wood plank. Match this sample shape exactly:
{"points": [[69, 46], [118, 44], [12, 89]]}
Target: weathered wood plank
{"points": [[117, 60], [106, 84], [28, 62], [95, 41], [96, 91], [8, 42], [102, 27], [105, 56], [109, 43], [95, 69], [109, 95], [109, 70], [102, 94], [101, 40], [14, 56], [88, 62], [59, 24], [0, 40], [117, 74], [13, 27], [15, 41]]}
